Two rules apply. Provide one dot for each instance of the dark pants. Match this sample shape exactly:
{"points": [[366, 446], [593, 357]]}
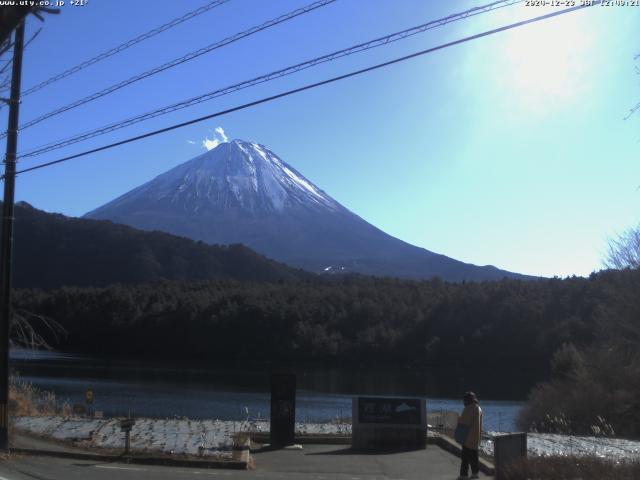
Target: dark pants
{"points": [[469, 457]]}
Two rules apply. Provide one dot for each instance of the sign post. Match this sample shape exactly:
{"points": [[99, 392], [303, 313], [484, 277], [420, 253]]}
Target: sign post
{"points": [[126, 424], [386, 422], [88, 399]]}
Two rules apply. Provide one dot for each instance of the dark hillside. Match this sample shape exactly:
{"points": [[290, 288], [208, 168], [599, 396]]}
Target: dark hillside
{"points": [[52, 250]]}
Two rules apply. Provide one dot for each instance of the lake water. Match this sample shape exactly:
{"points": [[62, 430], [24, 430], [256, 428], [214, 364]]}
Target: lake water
{"points": [[166, 391]]}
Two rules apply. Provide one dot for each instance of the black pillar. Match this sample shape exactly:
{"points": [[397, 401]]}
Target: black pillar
{"points": [[283, 409]]}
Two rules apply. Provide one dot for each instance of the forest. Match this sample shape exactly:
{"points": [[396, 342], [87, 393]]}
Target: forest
{"points": [[349, 318], [342, 318], [526, 325]]}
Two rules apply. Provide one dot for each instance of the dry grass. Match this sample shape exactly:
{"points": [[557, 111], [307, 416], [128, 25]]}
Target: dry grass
{"points": [[241, 439], [27, 400], [583, 468]]}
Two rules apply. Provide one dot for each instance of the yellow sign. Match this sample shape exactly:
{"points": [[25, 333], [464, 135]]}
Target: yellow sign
{"points": [[88, 397]]}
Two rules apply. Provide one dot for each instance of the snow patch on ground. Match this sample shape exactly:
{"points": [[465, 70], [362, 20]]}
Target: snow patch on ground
{"points": [[72, 429], [215, 437], [546, 444], [306, 428], [170, 436]]}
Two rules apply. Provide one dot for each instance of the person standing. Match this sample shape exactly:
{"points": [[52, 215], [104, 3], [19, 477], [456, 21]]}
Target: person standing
{"points": [[470, 424]]}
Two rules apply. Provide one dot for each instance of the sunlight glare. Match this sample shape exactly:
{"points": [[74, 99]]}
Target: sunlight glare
{"points": [[546, 65]]}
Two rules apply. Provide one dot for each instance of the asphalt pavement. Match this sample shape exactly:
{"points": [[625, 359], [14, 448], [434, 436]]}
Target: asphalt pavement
{"points": [[312, 462]]}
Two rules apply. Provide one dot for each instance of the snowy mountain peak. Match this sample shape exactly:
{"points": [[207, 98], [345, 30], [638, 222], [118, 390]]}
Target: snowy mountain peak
{"points": [[236, 175], [257, 178], [278, 180]]}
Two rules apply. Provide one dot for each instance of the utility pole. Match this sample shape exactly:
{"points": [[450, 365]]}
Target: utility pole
{"points": [[7, 234]]}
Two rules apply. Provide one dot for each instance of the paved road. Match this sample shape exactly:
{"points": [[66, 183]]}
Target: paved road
{"points": [[313, 462]]}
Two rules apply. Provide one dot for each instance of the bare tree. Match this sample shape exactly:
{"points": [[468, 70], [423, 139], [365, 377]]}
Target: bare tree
{"points": [[624, 251], [30, 330], [636, 107]]}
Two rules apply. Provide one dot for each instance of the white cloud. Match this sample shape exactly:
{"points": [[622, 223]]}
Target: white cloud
{"points": [[218, 137], [220, 132], [191, 142]]}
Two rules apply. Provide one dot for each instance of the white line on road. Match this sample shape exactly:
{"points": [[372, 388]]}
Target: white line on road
{"points": [[113, 467], [199, 472], [137, 469]]}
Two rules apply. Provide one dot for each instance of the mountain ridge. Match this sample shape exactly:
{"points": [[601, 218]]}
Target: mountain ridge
{"points": [[52, 250]]}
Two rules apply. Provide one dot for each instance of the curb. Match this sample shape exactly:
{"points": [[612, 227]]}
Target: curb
{"points": [[241, 461], [306, 439]]}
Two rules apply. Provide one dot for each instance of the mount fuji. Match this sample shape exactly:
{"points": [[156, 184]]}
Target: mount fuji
{"points": [[241, 192]]}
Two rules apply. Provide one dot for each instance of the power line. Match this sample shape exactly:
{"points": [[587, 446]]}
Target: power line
{"points": [[310, 86], [5, 83], [125, 45], [268, 77], [178, 61], [632, 111]]}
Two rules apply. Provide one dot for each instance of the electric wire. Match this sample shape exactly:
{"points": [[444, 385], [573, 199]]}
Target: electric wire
{"points": [[178, 61], [377, 42], [9, 62], [123, 46], [311, 86], [5, 83], [632, 111], [636, 107]]}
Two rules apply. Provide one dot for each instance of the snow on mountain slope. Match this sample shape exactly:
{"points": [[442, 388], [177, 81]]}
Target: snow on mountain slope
{"points": [[241, 192], [235, 174]]}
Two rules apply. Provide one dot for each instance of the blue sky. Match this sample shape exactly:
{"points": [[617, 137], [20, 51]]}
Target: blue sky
{"points": [[510, 150]]}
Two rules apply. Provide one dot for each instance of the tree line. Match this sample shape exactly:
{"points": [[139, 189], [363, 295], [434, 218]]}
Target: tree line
{"points": [[351, 318], [579, 336]]}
